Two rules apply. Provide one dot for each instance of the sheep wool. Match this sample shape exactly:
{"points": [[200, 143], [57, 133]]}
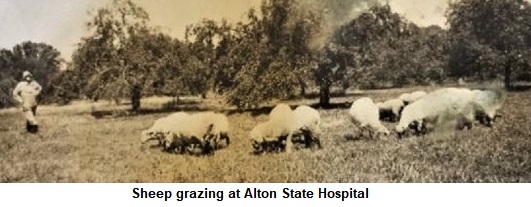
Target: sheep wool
{"points": [[365, 114], [448, 103], [164, 125]]}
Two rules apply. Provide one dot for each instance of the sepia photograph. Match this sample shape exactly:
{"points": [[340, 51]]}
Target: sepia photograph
{"points": [[265, 91]]}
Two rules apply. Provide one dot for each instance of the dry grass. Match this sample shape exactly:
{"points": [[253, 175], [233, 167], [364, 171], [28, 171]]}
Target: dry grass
{"points": [[75, 147]]}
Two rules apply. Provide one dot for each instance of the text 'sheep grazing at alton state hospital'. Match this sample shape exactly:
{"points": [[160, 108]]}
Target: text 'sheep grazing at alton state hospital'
{"points": [[180, 195]]}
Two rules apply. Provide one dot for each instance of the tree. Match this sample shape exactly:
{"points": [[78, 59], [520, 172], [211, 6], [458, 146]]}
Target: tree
{"points": [[254, 62], [379, 49], [493, 27], [64, 87], [363, 48], [200, 65], [120, 56]]}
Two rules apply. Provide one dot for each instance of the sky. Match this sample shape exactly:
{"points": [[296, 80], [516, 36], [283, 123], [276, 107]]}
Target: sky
{"points": [[61, 23]]}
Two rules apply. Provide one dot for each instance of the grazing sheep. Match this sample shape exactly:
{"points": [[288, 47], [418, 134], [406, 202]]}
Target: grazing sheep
{"points": [[365, 114], [441, 105], [307, 125], [270, 134], [276, 132], [163, 127], [409, 98], [390, 110], [173, 132], [195, 130]]}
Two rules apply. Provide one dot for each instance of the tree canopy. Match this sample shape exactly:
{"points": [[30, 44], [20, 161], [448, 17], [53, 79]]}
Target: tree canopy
{"points": [[281, 50], [490, 37]]}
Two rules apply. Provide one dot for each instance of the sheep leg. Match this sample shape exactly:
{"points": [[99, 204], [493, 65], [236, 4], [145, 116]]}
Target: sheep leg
{"points": [[425, 127], [207, 147], [307, 137], [188, 148], [372, 133], [257, 147], [289, 143], [488, 121], [168, 142], [161, 141], [225, 136], [468, 125], [278, 145], [216, 142], [362, 130], [312, 139], [317, 142]]}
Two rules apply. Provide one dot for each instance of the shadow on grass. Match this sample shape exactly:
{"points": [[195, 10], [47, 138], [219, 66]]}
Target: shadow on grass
{"points": [[519, 88], [352, 137], [110, 113], [197, 106]]}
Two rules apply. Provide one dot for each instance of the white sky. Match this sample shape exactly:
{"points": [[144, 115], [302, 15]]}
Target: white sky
{"points": [[61, 23]]}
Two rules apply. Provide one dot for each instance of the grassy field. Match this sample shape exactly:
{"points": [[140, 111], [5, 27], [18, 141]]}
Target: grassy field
{"points": [[73, 146]]}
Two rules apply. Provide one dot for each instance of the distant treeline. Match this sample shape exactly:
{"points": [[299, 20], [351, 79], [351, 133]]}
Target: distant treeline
{"points": [[278, 52]]}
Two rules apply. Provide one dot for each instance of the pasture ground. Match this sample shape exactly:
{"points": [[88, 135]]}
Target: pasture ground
{"points": [[73, 146]]}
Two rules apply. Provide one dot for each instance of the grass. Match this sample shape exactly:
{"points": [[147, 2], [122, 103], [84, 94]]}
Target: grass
{"points": [[73, 146]]}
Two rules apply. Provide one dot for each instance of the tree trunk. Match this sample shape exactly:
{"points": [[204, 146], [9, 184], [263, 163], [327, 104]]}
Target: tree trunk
{"points": [[324, 94], [135, 98], [303, 89], [508, 75]]}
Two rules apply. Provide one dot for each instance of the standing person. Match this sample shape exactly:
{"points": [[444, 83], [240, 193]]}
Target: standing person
{"points": [[25, 93]]}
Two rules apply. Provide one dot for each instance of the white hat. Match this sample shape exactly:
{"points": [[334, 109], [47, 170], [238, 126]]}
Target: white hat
{"points": [[26, 73]]}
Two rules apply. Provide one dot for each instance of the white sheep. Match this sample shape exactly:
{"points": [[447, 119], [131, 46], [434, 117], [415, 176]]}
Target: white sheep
{"points": [[163, 127], [280, 126], [175, 132], [365, 114], [196, 130], [443, 104], [409, 98], [390, 109], [307, 124]]}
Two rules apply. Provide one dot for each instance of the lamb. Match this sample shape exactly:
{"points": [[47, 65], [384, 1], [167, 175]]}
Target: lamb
{"points": [[307, 124], [443, 104], [365, 114], [390, 109], [409, 98]]}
